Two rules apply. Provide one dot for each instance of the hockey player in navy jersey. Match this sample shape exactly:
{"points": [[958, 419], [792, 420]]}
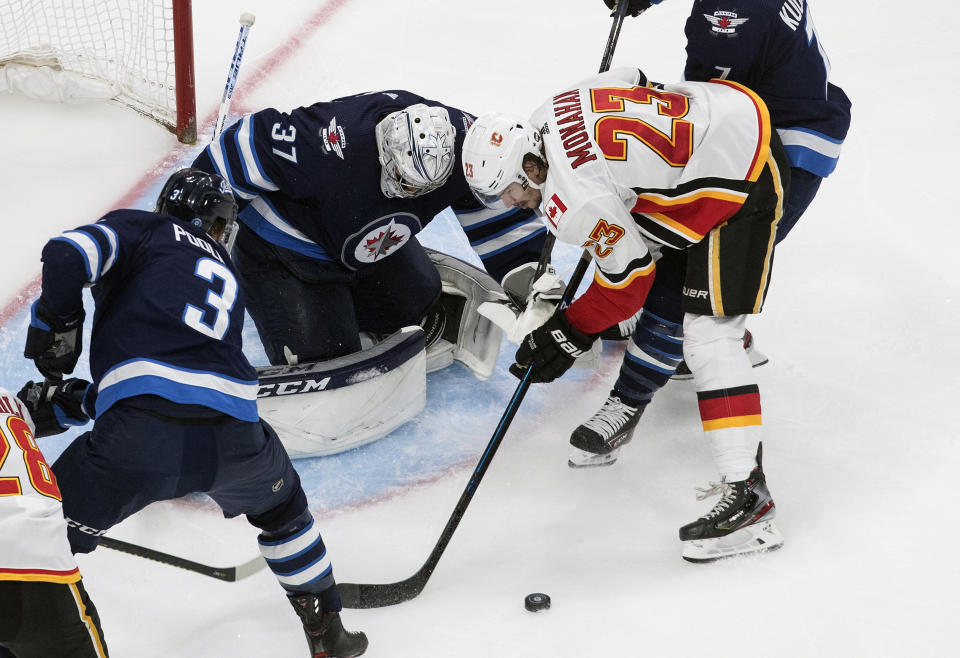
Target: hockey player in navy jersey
{"points": [[772, 47], [331, 198], [173, 396]]}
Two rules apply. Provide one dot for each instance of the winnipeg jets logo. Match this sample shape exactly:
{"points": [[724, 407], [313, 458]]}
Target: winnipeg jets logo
{"points": [[725, 22], [379, 238], [333, 138], [381, 244], [380, 241]]}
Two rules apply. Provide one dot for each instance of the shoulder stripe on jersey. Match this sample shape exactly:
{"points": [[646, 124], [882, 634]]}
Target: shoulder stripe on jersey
{"points": [[222, 164], [763, 128], [237, 398], [252, 170], [88, 248], [114, 243], [477, 217], [264, 220], [506, 237], [519, 236]]}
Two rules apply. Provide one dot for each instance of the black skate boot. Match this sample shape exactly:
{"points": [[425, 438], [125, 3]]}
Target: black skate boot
{"points": [[741, 522], [324, 630], [757, 358], [597, 442]]}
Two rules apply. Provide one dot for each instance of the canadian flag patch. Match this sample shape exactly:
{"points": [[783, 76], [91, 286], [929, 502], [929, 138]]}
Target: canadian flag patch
{"points": [[554, 210]]}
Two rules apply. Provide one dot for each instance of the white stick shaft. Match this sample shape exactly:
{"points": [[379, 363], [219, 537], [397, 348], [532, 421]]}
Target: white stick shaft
{"points": [[231, 79]]}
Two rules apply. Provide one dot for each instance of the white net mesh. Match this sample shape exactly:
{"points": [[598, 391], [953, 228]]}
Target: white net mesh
{"points": [[128, 44]]}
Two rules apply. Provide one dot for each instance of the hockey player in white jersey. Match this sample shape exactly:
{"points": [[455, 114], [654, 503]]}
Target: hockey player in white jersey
{"points": [[44, 609], [637, 172]]}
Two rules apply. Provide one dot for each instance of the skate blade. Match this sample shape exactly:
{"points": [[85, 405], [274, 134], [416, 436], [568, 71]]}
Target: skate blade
{"points": [[582, 459], [757, 538]]}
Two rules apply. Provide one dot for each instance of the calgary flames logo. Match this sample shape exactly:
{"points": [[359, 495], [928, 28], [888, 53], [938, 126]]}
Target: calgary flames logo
{"points": [[496, 139]]}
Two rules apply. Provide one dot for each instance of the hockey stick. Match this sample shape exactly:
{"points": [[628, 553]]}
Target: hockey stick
{"points": [[621, 13], [356, 595], [246, 21], [229, 574]]}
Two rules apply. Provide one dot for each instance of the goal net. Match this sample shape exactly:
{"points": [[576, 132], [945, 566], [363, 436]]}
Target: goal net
{"points": [[138, 53]]}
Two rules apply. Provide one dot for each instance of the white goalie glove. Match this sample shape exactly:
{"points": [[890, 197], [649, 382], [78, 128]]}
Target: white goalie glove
{"points": [[531, 306]]}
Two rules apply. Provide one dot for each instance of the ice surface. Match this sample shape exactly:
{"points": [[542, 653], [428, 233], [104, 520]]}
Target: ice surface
{"points": [[861, 327]]}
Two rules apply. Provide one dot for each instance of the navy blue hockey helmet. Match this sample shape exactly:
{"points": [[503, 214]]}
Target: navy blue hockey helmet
{"points": [[202, 199]]}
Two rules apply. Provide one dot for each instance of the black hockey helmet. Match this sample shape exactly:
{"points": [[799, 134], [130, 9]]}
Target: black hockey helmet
{"points": [[202, 199]]}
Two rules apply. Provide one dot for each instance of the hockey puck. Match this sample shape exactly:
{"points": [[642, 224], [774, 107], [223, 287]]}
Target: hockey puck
{"points": [[536, 602]]}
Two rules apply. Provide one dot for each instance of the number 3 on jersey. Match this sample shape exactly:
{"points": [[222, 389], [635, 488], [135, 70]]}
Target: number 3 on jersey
{"points": [[16, 432], [222, 303], [611, 131]]}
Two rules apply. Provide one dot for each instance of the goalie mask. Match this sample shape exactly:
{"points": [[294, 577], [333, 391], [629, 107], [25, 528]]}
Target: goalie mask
{"points": [[416, 147], [493, 153], [202, 199]]}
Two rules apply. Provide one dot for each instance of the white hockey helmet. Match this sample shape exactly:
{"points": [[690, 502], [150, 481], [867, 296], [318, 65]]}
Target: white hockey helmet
{"points": [[417, 150], [493, 153]]}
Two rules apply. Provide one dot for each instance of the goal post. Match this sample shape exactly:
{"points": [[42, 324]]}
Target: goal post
{"points": [[138, 53]]}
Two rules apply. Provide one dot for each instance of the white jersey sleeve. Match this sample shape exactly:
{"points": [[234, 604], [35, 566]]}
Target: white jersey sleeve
{"points": [[33, 532]]}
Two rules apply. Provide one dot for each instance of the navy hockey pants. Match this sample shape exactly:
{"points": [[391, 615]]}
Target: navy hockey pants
{"points": [[803, 187], [318, 308], [136, 456]]}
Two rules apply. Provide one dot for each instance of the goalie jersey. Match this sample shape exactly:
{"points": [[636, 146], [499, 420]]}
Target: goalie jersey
{"points": [[633, 166], [309, 181], [772, 47], [168, 314], [33, 532]]}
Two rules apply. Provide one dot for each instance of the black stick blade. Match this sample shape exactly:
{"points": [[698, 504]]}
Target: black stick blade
{"points": [[357, 596]]}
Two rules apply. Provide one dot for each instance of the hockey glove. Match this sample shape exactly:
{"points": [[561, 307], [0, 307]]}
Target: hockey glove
{"points": [[54, 342], [520, 287], [636, 7], [551, 348], [55, 406]]}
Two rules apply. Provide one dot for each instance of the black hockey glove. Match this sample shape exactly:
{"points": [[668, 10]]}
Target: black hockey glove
{"points": [[635, 8], [53, 342], [55, 406], [518, 284], [551, 348]]}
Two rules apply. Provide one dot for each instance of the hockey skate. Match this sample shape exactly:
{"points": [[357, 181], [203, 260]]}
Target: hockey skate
{"points": [[597, 442], [324, 630], [739, 524], [757, 358]]}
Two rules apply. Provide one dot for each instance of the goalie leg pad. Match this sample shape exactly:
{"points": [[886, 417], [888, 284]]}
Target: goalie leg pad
{"points": [[327, 407], [475, 339]]}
